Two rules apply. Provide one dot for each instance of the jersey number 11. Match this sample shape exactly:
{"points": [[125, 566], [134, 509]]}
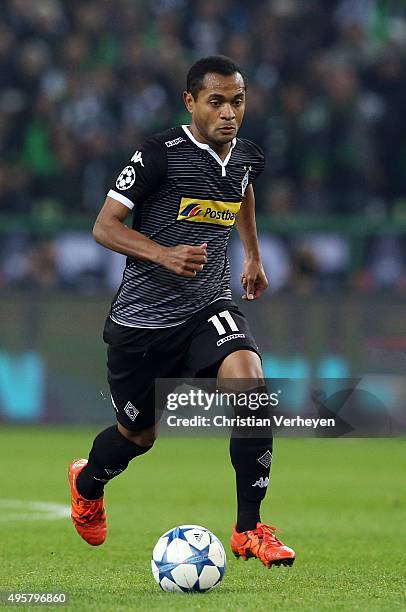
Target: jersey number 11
{"points": [[218, 324]]}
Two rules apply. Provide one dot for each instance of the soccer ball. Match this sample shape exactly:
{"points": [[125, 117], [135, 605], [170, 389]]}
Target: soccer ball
{"points": [[188, 559]]}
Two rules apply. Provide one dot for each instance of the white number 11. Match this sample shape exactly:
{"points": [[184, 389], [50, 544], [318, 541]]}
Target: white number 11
{"points": [[218, 324]]}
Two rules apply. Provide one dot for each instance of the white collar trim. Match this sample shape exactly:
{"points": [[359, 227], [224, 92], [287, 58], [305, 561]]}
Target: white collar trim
{"points": [[207, 147]]}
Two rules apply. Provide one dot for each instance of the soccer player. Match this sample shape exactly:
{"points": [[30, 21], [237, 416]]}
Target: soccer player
{"points": [[186, 188]]}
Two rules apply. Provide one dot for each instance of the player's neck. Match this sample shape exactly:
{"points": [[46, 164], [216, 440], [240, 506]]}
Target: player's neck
{"points": [[222, 150]]}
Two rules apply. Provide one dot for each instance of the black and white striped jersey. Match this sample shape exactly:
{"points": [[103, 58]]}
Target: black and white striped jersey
{"points": [[180, 192]]}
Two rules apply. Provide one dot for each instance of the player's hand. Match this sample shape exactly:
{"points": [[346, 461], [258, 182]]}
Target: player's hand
{"points": [[184, 260], [253, 279]]}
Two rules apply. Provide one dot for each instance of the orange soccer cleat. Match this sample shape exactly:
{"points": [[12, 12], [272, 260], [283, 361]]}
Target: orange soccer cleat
{"points": [[88, 515], [263, 544]]}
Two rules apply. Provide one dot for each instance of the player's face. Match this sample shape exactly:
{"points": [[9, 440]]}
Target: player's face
{"points": [[218, 111]]}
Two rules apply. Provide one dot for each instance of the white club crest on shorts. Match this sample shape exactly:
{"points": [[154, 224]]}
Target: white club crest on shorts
{"points": [[126, 178], [265, 459], [131, 411]]}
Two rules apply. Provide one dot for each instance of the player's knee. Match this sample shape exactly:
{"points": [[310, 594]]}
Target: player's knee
{"points": [[243, 365], [145, 438]]}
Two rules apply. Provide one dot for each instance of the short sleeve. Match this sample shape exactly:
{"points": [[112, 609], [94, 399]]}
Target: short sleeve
{"points": [[141, 176], [257, 162]]}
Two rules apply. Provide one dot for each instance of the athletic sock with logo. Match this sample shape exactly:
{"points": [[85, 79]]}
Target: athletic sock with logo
{"points": [[251, 457], [110, 455]]}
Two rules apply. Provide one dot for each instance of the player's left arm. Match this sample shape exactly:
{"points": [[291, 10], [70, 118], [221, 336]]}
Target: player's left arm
{"points": [[253, 277]]}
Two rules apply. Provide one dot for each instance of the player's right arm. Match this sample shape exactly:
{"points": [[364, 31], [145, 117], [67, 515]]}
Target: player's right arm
{"points": [[110, 231]]}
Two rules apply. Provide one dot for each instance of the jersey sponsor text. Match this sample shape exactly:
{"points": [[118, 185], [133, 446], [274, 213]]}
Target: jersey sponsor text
{"points": [[208, 211]]}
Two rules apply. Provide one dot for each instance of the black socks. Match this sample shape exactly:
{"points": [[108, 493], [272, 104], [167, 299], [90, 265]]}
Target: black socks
{"points": [[110, 455], [251, 457]]}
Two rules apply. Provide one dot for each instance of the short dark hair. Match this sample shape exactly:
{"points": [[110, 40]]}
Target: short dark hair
{"points": [[220, 64]]}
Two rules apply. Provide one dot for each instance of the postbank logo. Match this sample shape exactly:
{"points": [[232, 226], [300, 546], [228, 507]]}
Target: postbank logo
{"points": [[208, 211], [191, 210]]}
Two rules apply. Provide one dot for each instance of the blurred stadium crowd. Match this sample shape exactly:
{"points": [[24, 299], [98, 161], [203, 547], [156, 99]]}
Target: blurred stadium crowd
{"points": [[82, 83]]}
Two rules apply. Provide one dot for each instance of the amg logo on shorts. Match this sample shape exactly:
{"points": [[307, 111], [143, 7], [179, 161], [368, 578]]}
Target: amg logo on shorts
{"points": [[230, 337], [208, 211], [265, 459], [131, 411]]}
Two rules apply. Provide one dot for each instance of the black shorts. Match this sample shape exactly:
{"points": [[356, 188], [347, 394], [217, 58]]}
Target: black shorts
{"points": [[194, 349]]}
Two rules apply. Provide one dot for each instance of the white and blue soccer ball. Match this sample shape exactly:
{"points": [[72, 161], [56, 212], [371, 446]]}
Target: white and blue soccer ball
{"points": [[189, 558]]}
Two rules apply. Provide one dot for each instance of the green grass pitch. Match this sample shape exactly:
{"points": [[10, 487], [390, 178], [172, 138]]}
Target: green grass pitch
{"points": [[339, 503]]}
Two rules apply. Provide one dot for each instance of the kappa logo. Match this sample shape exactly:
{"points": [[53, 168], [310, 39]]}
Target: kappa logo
{"points": [[265, 459], [131, 411], [137, 158], [112, 473], [191, 210], [262, 483], [176, 141]]}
